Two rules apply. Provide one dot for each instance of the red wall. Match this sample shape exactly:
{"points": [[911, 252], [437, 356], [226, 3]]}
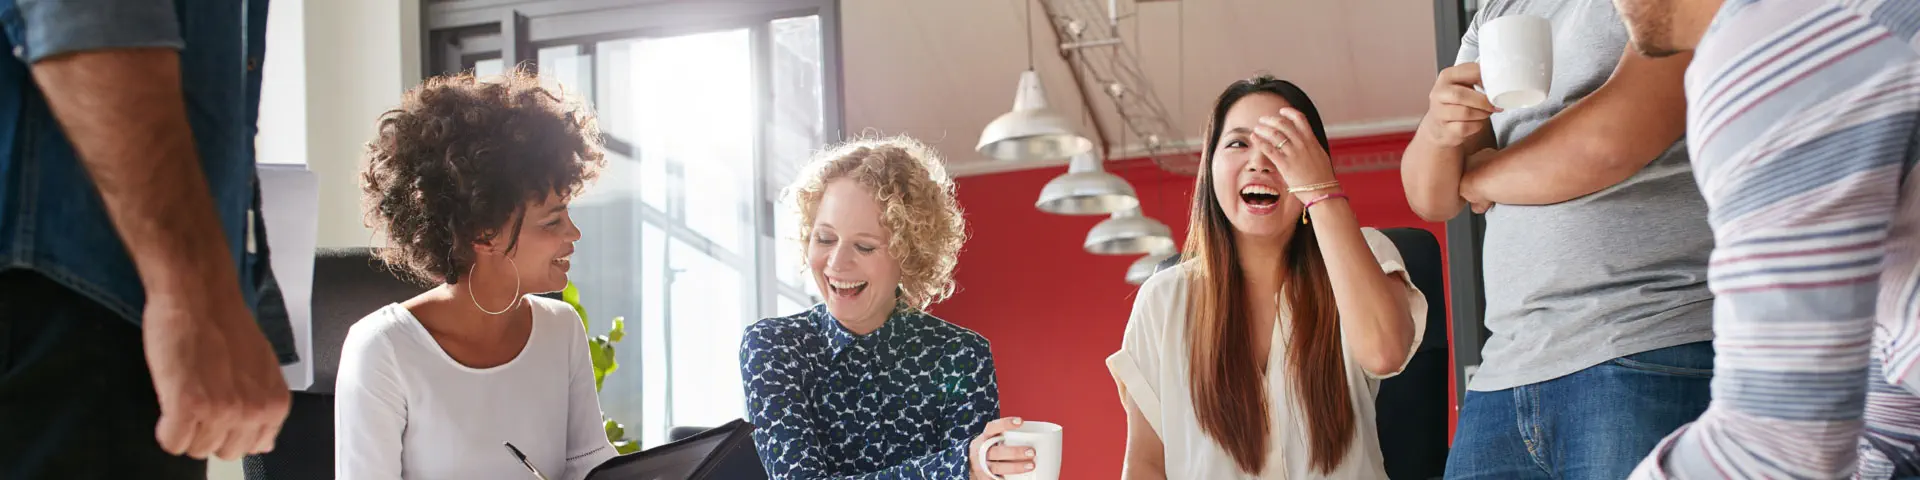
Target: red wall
{"points": [[1053, 312]]}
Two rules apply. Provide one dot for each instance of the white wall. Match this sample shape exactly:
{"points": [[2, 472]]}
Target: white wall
{"points": [[283, 100], [360, 56]]}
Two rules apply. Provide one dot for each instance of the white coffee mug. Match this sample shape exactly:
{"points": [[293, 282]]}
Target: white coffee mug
{"points": [[1516, 60], [1044, 438]]}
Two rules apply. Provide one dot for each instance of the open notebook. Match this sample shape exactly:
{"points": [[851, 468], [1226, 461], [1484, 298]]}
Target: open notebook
{"points": [[724, 452]]}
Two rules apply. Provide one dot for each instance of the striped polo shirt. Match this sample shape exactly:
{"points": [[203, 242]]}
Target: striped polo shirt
{"points": [[1801, 121]]}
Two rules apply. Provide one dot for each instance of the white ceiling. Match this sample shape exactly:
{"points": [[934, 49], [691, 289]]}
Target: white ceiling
{"points": [[939, 70]]}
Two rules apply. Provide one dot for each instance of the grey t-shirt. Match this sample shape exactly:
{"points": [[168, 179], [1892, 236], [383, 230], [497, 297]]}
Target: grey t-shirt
{"points": [[1614, 273]]}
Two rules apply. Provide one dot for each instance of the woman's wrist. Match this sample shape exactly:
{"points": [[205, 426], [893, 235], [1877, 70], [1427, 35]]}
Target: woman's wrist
{"points": [[1310, 198]]}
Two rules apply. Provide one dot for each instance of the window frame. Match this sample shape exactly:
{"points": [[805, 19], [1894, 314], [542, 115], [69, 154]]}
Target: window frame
{"points": [[457, 34]]}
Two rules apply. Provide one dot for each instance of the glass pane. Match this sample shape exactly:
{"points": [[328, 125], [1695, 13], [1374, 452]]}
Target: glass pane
{"points": [[693, 105], [620, 123], [708, 297], [568, 68], [609, 259], [653, 279], [489, 67], [789, 306], [605, 268], [790, 263], [798, 123], [798, 130]]}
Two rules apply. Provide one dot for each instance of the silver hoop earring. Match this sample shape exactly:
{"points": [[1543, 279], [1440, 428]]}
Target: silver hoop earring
{"points": [[476, 301]]}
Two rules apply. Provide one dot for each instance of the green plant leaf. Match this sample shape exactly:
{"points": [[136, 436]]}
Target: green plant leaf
{"points": [[619, 330], [617, 434], [571, 295], [603, 362], [615, 431]]}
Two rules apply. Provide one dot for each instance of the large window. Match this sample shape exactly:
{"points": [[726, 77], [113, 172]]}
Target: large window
{"points": [[708, 108]]}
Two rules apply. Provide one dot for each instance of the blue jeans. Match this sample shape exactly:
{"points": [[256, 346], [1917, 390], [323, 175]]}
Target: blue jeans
{"points": [[1597, 423]]}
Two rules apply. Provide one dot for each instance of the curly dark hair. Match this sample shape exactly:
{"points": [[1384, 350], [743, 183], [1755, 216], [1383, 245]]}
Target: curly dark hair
{"points": [[461, 157]]}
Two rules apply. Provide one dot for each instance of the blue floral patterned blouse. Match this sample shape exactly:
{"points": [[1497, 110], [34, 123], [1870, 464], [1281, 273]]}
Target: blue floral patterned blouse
{"points": [[902, 402]]}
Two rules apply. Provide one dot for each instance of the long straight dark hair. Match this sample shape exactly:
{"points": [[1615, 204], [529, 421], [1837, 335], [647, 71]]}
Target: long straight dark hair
{"points": [[1229, 392]]}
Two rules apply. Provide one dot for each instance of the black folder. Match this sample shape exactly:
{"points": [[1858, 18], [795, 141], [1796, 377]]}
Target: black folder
{"points": [[724, 452]]}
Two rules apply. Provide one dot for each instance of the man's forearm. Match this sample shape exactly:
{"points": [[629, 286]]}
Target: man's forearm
{"points": [[1598, 142], [1585, 149], [125, 113], [1430, 172], [1532, 176]]}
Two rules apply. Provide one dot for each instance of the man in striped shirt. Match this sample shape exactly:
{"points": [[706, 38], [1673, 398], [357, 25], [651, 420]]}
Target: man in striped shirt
{"points": [[1801, 119]]}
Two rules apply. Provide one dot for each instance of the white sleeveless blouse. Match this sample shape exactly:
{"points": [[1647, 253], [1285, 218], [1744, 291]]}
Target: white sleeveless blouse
{"points": [[1152, 364]]}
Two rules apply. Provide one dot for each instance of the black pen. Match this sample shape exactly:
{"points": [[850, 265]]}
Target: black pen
{"points": [[523, 460]]}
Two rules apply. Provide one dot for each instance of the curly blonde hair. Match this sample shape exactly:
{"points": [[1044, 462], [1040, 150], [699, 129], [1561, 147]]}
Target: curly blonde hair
{"points": [[916, 204]]}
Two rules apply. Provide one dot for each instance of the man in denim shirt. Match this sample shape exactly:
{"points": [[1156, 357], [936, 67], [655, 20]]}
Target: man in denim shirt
{"points": [[129, 266]]}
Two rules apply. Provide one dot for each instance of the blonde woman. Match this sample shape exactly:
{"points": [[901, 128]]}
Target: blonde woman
{"points": [[867, 384], [1259, 356]]}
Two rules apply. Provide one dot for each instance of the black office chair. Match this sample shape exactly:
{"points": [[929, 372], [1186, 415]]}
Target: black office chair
{"points": [[1411, 408], [347, 284]]}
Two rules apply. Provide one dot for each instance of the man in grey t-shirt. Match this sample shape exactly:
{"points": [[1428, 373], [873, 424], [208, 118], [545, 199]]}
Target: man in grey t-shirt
{"points": [[1595, 257]]}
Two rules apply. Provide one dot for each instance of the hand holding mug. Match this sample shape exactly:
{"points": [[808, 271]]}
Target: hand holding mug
{"points": [[1013, 449], [990, 460], [1456, 112]]}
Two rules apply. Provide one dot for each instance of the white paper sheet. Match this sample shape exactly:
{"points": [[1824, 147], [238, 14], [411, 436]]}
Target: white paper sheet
{"points": [[290, 201]]}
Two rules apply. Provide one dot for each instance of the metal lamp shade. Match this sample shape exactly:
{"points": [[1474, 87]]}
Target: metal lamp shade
{"points": [[1031, 131], [1128, 233], [1146, 266], [1086, 189]]}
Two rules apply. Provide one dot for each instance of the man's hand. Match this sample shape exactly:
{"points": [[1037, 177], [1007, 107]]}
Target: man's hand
{"points": [[1456, 113], [1457, 123], [219, 385]]}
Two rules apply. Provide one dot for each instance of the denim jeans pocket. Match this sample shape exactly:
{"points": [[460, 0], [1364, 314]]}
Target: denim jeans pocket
{"points": [[1689, 360]]}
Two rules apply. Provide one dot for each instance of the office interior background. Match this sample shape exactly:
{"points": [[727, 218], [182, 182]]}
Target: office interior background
{"points": [[710, 106]]}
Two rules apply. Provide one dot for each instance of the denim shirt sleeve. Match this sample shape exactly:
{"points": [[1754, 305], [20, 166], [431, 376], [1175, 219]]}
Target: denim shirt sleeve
{"points": [[45, 28]]}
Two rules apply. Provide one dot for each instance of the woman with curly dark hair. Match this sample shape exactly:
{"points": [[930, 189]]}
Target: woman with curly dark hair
{"points": [[470, 179]]}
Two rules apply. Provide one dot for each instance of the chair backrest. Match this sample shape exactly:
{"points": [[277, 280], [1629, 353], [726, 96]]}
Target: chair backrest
{"points": [[348, 284], [1411, 408]]}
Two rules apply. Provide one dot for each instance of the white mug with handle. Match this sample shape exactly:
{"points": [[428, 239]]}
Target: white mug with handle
{"points": [[1045, 440], [1516, 60]]}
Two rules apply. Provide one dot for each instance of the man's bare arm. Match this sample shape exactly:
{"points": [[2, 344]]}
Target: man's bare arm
{"points": [[217, 380], [1456, 126], [1596, 143], [125, 114]]}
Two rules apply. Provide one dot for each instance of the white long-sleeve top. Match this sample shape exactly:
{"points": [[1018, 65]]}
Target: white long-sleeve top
{"points": [[405, 409]]}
